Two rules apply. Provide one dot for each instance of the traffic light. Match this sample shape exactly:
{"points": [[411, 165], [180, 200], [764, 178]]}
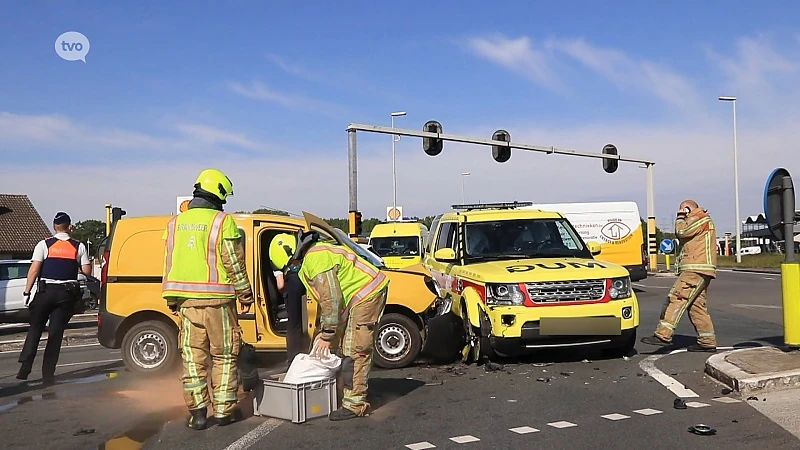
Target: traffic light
{"points": [[432, 146], [355, 223], [117, 213], [610, 165], [501, 154]]}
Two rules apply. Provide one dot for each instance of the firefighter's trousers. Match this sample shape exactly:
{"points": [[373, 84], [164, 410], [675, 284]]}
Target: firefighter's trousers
{"points": [[357, 346], [210, 333], [688, 292]]}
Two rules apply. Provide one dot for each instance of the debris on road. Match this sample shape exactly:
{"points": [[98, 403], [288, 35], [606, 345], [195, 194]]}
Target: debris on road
{"points": [[679, 403], [726, 391], [493, 367], [752, 397], [702, 430], [84, 431], [543, 380], [542, 364], [566, 374]]}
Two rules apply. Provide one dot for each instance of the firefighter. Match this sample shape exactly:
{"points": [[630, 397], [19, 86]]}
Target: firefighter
{"points": [[697, 262], [351, 294], [204, 275]]}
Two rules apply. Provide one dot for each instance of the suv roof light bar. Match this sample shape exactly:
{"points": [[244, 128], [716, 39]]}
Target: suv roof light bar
{"points": [[501, 205]]}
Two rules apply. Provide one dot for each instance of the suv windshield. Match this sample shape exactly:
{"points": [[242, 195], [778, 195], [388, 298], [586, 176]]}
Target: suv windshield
{"points": [[523, 238], [358, 249], [396, 246]]}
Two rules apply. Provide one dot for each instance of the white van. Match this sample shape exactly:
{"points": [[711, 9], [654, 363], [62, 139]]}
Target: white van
{"points": [[616, 226]]}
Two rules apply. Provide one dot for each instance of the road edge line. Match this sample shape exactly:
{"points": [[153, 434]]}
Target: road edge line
{"points": [[255, 435], [676, 387]]}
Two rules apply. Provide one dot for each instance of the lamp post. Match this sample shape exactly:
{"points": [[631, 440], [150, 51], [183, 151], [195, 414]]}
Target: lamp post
{"points": [[395, 138], [464, 175], [736, 181]]}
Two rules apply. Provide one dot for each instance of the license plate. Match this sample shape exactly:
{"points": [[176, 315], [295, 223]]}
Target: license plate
{"points": [[580, 326]]}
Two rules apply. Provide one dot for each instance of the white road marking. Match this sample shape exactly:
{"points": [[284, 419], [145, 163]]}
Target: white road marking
{"points": [[88, 362], [420, 446], [651, 287], [725, 400], [742, 305], [615, 416], [562, 424], [768, 278], [696, 404], [523, 430], [62, 348], [464, 439], [258, 433], [649, 366], [648, 411]]}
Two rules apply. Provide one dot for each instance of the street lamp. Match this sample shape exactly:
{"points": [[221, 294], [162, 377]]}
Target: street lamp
{"points": [[464, 175], [395, 138], [736, 181]]}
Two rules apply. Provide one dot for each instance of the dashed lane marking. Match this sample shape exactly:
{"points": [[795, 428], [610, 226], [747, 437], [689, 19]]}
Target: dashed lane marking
{"points": [[464, 439], [696, 404], [648, 411], [615, 416], [725, 400], [523, 430], [420, 446], [651, 287], [562, 424]]}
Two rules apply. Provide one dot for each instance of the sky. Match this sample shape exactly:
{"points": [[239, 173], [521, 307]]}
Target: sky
{"points": [[265, 90]]}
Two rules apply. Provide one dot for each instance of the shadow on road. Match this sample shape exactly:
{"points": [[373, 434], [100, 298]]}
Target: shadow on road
{"points": [[89, 375], [383, 391]]}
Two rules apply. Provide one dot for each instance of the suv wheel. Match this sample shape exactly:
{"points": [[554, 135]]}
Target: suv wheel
{"points": [[150, 347], [397, 341]]}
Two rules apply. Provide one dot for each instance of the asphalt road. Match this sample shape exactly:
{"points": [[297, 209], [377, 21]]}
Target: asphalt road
{"points": [[558, 399]]}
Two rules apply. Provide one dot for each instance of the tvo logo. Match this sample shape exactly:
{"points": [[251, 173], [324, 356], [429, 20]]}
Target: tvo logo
{"points": [[72, 46]]}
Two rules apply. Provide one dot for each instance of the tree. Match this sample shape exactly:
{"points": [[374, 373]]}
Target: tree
{"points": [[90, 230], [276, 212]]}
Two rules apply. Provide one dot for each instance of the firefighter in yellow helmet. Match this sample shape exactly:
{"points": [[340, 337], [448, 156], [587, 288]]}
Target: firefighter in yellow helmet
{"points": [[204, 274], [697, 266], [351, 294]]}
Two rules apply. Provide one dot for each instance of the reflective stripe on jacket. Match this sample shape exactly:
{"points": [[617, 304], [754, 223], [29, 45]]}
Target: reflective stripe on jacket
{"points": [[193, 266], [358, 279], [698, 239]]}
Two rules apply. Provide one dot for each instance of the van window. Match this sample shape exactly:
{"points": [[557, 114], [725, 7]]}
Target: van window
{"points": [[396, 246], [429, 237], [447, 236], [14, 271]]}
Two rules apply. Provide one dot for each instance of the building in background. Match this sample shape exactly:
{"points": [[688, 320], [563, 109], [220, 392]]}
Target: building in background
{"points": [[21, 227]]}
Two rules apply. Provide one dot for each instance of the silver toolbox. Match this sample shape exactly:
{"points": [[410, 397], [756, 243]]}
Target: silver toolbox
{"points": [[295, 402]]}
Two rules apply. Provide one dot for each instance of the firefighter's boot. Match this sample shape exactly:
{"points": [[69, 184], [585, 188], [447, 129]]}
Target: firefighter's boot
{"points": [[198, 419]]}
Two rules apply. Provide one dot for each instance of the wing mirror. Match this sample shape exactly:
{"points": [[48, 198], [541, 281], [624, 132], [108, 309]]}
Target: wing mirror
{"points": [[445, 254], [594, 248]]}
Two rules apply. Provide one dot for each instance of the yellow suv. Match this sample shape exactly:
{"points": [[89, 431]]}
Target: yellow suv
{"points": [[517, 280]]}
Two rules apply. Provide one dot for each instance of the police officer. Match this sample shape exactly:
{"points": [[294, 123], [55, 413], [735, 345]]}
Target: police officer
{"points": [[56, 262], [293, 291], [204, 274]]}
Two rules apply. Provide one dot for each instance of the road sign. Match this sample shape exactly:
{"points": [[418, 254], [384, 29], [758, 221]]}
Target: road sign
{"points": [[667, 246], [183, 204], [394, 214], [779, 204]]}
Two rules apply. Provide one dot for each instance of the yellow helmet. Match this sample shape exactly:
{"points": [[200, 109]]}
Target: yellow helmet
{"points": [[215, 183], [281, 249]]}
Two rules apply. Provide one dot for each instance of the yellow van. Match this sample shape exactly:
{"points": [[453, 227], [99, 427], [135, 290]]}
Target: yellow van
{"points": [[400, 244], [134, 317], [516, 280]]}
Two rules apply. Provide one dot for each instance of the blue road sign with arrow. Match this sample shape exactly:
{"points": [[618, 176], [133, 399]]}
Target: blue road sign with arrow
{"points": [[667, 246]]}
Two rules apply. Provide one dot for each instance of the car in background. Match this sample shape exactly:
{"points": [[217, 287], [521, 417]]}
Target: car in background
{"points": [[13, 276]]}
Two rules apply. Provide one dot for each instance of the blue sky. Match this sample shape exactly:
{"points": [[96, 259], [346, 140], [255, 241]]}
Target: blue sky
{"points": [[169, 89]]}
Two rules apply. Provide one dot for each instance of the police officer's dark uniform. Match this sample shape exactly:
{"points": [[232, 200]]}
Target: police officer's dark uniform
{"points": [[293, 291], [56, 262]]}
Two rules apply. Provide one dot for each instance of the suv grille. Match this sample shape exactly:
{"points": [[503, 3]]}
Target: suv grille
{"points": [[566, 291]]}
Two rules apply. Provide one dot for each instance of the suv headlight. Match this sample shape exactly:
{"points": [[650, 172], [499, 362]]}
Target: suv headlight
{"points": [[620, 288], [504, 294]]}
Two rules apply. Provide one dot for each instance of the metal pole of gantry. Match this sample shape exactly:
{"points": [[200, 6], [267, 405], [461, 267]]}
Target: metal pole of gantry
{"points": [[651, 214]]}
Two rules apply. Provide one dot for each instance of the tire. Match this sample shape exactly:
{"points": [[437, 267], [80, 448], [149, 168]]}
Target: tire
{"points": [[150, 348], [397, 341]]}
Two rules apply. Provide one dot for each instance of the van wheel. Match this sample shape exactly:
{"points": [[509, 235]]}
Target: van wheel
{"points": [[150, 348], [397, 341]]}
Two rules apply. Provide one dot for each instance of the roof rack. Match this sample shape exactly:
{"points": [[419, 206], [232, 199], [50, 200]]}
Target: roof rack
{"points": [[501, 205]]}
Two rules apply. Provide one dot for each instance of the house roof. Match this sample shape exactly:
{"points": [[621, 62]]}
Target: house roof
{"points": [[21, 226]]}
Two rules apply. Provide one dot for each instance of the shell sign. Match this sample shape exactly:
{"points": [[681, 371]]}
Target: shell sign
{"points": [[183, 204]]}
